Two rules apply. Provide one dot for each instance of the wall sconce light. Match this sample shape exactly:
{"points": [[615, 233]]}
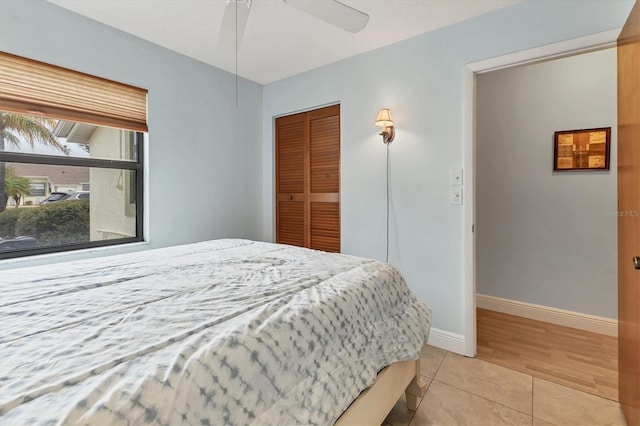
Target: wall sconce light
{"points": [[385, 121]]}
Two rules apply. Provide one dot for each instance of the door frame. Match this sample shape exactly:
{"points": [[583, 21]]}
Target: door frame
{"points": [[565, 48], [274, 164]]}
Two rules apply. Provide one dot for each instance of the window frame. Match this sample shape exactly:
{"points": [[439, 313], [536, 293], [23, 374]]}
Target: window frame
{"points": [[134, 165]]}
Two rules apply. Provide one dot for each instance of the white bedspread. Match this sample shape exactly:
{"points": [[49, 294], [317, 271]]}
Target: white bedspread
{"points": [[225, 332]]}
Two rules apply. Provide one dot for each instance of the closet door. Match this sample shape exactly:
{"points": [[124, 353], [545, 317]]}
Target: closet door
{"points": [[291, 133], [324, 179], [308, 179]]}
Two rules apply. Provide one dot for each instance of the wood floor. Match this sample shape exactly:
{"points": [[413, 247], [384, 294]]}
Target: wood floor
{"points": [[574, 358]]}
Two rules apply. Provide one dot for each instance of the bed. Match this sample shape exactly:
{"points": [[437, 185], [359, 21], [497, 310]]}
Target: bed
{"points": [[219, 332]]}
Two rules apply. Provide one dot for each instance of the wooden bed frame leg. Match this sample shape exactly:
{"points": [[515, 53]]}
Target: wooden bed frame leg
{"points": [[416, 389]]}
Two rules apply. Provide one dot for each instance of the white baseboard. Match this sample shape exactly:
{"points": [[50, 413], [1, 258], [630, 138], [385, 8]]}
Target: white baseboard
{"points": [[448, 341], [571, 319]]}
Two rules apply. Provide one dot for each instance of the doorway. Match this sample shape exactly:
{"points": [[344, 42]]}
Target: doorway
{"points": [[557, 50], [545, 53], [546, 247]]}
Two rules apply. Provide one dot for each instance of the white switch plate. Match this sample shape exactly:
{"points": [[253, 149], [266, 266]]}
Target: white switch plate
{"points": [[455, 195], [456, 177]]}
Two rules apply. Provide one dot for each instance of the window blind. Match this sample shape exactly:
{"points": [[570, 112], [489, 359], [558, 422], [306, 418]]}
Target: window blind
{"points": [[32, 87]]}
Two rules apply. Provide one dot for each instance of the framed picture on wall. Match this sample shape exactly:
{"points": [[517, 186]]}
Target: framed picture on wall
{"points": [[585, 149]]}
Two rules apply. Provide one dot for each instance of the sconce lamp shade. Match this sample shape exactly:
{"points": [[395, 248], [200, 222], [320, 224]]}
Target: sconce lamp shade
{"points": [[385, 121], [384, 118]]}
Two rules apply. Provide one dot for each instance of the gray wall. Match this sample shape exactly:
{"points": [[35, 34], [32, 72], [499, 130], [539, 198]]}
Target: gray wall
{"points": [[204, 154], [545, 237], [421, 80]]}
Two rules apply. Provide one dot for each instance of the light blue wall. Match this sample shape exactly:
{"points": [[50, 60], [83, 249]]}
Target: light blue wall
{"points": [[421, 81], [545, 237], [204, 154], [222, 184]]}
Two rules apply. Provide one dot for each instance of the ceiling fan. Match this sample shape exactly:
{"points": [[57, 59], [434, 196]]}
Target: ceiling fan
{"points": [[236, 14]]}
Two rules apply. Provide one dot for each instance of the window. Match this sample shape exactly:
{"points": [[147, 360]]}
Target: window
{"points": [[36, 189], [87, 148]]}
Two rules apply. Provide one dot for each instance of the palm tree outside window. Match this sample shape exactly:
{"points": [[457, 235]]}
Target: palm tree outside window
{"points": [[15, 128]]}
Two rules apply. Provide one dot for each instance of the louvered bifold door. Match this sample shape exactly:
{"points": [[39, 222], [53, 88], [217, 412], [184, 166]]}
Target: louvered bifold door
{"points": [[324, 179], [291, 136], [308, 179]]}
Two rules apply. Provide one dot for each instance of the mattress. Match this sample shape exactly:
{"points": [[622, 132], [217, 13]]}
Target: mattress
{"points": [[223, 332]]}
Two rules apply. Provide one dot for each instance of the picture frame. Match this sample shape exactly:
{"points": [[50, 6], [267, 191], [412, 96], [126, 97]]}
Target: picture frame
{"points": [[581, 150]]}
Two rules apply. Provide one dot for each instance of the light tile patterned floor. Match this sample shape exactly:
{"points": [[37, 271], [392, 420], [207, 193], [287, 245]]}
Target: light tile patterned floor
{"points": [[469, 391]]}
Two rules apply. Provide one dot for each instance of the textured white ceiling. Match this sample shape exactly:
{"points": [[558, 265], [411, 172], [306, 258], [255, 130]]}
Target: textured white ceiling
{"points": [[279, 41]]}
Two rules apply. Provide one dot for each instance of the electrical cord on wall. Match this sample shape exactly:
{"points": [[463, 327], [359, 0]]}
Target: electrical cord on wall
{"points": [[387, 256]]}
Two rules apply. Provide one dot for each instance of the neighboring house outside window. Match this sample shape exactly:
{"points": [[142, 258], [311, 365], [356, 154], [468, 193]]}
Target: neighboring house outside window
{"points": [[51, 179], [108, 211]]}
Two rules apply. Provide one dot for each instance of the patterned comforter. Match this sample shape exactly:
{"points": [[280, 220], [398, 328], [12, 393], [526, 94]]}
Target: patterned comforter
{"points": [[225, 332]]}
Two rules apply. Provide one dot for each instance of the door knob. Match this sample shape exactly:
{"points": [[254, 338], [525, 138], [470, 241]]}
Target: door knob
{"points": [[290, 197], [636, 262]]}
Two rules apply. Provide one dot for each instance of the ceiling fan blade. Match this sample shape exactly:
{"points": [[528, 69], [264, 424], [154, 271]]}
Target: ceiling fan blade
{"points": [[230, 26], [333, 12]]}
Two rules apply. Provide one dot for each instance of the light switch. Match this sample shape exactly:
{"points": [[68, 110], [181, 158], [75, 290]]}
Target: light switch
{"points": [[455, 195], [456, 176]]}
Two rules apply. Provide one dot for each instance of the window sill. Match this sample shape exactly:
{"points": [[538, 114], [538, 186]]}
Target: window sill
{"points": [[68, 256]]}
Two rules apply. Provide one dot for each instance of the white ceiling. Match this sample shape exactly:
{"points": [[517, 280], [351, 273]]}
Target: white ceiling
{"points": [[279, 41]]}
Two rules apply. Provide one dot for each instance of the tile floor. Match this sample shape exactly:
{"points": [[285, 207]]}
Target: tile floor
{"points": [[469, 391]]}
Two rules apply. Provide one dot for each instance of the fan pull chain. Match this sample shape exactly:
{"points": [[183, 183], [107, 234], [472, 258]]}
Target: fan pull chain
{"points": [[236, 53]]}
